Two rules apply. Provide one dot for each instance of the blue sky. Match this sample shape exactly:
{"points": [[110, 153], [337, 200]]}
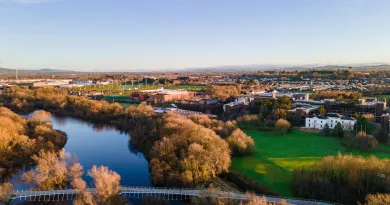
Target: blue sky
{"points": [[168, 34]]}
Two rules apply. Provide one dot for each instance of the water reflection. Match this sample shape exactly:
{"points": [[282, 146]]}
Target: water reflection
{"points": [[60, 120], [99, 144]]}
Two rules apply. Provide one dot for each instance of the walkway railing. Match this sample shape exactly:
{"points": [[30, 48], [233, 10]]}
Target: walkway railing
{"points": [[167, 193]]}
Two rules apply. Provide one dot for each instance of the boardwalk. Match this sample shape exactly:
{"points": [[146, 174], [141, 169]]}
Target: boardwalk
{"points": [[168, 193]]}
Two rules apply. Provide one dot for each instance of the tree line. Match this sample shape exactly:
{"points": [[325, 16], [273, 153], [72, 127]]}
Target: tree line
{"points": [[352, 96], [343, 178]]}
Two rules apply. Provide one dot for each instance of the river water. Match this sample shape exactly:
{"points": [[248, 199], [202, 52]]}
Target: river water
{"points": [[94, 144]]}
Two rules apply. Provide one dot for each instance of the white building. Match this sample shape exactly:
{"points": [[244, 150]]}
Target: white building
{"points": [[319, 121]]}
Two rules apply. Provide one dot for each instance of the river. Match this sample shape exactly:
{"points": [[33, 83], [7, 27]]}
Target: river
{"points": [[95, 144]]}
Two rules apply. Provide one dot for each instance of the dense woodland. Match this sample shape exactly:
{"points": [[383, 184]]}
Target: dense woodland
{"points": [[21, 138]]}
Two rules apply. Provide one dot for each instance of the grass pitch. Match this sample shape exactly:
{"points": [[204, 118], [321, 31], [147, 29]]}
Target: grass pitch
{"points": [[276, 157]]}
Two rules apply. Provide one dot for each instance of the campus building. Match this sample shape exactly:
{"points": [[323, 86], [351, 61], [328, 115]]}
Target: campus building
{"points": [[319, 121], [364, 106], [166, 95], [162, 95]]}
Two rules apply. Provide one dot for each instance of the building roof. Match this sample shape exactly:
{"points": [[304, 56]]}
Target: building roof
{"points": [[324, 117], [348, 118], [334, 115]]}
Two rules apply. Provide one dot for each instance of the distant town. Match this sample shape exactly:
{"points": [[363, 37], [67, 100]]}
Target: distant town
{"points": [[271, 133]]}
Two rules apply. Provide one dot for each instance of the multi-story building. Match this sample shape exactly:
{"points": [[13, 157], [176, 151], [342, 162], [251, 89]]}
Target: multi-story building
{"points": [[364, 106], [167, 95], [319, 121]]}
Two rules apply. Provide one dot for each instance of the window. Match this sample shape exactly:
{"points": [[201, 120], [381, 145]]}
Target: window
{"points": [[321, 126]]}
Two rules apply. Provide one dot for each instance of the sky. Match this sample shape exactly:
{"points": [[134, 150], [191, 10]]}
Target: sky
{"points": [[140, 35]]}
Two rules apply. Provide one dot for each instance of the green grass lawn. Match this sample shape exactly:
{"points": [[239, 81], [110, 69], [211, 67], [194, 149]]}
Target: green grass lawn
{"points": [[379, 97], [276, 156], [190, 87]]}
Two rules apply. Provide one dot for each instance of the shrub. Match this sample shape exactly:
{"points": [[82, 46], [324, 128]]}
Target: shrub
{"points": [[362, 141], [240, 143], [282, 126]]}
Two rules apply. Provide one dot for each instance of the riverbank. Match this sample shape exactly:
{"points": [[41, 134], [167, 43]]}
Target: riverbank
{"points": [[23, 137], [98, 144]]}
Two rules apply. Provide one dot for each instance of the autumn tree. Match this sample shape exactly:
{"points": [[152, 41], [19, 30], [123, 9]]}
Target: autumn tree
{"points": [[248, 120], [222, 128], [107, 184], [187, 153], [139, 113], [240, 143], [41, 116], [335, 177], [321, 110], [83, 197], [223, 91], [6, 191], [282, 126], [19, 141], [377, 199], [52, 170], [279, 114]]}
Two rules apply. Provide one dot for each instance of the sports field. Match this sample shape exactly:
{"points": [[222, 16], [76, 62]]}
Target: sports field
{"points": [[276, 156], [190, 87], [150, 86]]}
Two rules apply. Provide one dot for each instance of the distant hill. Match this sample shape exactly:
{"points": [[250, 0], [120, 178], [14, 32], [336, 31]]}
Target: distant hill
{"points": [[43, 70], [360, 67], [264, 67]]}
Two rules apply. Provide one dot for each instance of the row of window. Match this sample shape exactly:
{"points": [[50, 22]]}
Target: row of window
{"points": [[344, 125], [331, 121]]}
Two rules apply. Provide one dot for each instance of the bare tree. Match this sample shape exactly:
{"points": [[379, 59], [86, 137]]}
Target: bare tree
{"points": [[52, 170], [107, 182], [83, 197]]}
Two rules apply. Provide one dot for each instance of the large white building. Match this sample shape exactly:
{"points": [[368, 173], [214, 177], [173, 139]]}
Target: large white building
{"points": [[319, 121]]}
